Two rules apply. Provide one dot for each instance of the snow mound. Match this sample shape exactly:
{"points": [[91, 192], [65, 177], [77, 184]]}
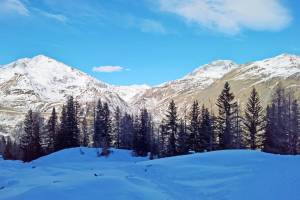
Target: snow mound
{"points": [[224, 175]]}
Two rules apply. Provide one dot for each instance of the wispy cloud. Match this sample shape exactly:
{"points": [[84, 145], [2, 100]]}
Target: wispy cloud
{"points": [[10, 7], [230, 16], [57, 17], [109, 69], [151, 26]]}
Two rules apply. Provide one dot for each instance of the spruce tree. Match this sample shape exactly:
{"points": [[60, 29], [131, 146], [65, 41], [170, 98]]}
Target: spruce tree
{"points": [[98, 124], [51, 132], [126, 132], [295, 128], [116, 127], [194, 126], [206, 131], [30, 142], [8, 154], [143, 129], [254, 121], [107, 134], [84, 130], [183, 139], [60, 139], [72, 128], [227, 107], [171, 128]]}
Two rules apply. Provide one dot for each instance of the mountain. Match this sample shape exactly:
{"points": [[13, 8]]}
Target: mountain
{"points": [[206, 82], [78, 173], [40, 83]]}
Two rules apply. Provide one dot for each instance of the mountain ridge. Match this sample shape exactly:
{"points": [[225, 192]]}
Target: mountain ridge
{"points": [[41, 82]]}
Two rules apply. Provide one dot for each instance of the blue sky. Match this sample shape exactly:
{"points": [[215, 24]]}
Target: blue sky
{"points": [[127, 42]]}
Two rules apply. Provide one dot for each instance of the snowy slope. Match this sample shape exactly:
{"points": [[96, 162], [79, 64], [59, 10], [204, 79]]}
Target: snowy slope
{"points": [[223, 175], [39, 83], [283, 66], [131, 92]]}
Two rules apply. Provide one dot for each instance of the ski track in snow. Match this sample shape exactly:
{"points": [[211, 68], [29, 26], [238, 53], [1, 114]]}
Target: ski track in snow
{"points": [[223, 175]]}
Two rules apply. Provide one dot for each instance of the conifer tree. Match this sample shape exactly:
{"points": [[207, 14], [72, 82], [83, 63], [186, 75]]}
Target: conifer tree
{"points": [[206, 131], [30, 141], [51, 132], [85, 135], [295, 128], [72, 128], [183, 139], [171, 128], [143, 130], [60, 139], [107, 133], [8, 154], [126, 132], [117, 124], [194, 126], [227, 112], [254, 121], [98, 124]]}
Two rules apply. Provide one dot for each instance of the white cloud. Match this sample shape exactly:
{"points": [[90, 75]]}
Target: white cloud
{"points": [[108, 69], [58, 17], [13, 7], [230, 16], [151, 26]]}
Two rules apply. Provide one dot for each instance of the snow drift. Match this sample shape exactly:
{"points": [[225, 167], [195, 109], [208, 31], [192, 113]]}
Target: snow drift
{"points": [[224, 175]]}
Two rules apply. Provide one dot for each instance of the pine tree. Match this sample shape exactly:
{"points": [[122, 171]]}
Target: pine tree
{"points": [[26, 140], [107, 134], [85, 135], [183, 139], [194, 126], [60, 139], [30, 141], [7, 155], [295, 128], [51, 132], [143, 129], [117, 124], [171, 128], [277, 131], [254, 121], [227, 112], [72, 128], [98, 124], [126, 132], [206, 131]]}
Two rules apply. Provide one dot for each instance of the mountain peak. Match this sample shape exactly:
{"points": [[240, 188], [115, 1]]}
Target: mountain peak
{"points": [[215, 69]]}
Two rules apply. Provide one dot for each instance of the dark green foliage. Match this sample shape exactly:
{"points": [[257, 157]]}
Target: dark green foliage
{"points": [[30, 141], [206, 131], [227, 107], [194, 127], [254, 122]]}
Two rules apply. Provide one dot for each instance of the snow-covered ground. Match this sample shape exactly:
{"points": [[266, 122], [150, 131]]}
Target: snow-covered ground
{"points": [[223, 175]]}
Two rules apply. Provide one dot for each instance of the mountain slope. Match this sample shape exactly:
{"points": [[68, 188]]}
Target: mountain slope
{"points": [[206, 83], [224, 175], [40, 83]]}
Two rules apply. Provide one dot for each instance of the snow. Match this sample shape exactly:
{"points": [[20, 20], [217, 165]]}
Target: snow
{"points": [[284, 66], [223, 175], [131, 92]]}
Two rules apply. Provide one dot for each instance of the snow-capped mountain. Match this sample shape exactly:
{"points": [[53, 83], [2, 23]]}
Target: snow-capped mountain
{"points": [[41, 83], [206, 82]]}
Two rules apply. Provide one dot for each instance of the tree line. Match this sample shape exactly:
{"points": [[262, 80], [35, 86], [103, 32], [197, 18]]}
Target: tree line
{"points": [[275, 129]]}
